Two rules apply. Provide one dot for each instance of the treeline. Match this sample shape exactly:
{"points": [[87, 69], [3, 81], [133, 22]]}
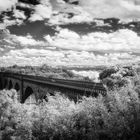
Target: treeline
{"points": [[45, 71]]}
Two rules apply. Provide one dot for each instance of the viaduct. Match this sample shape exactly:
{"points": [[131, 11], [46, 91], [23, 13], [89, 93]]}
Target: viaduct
{"points": [[33, 88]]}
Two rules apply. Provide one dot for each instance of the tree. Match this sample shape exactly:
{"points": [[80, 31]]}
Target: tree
{"points": [[107, 72], [117, 77]]}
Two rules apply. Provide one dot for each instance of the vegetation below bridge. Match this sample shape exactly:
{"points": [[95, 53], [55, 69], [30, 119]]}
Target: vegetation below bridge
{"points": [[113, 117]]}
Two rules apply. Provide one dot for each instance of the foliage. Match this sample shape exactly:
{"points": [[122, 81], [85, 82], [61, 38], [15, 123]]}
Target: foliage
{"points": [[113, 117], [15, 118], [44, 70], [107, 72], [117, 71], [117, 77]]}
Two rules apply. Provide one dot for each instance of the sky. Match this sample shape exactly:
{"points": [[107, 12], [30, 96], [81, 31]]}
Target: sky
{"points": [[69, 32]]}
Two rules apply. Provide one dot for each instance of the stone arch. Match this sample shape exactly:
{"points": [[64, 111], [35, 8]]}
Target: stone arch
{"points": [[5, 83], [28, 96], [1, 85], [17, 87], [10, 86]]}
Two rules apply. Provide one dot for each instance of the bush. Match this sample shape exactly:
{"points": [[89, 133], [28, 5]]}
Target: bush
{"points": [[107, 72], [117, 77], [113, 117], [15, 118]]}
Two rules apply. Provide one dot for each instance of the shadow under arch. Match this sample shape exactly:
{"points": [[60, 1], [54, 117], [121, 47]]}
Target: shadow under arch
{"points": [[28, 92], [1, 85], [5, 83], [10, 85], [17, 87]]}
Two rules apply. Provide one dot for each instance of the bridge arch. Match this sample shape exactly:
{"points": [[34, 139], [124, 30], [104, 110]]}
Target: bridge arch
{"points": [[29, 97], [1, 85], [17, 87], [5, 83], [10, 85]]}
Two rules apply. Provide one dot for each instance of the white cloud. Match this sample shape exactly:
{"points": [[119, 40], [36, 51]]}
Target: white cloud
{"points": [[7, 4], [19, 14], [58, 13], [25, 5], [7, 22], [19, 17], [108, 8], [2, 26], [91, 74], [27, 40], [63, 17], [42, 11], [87, 10], [66, 58], [123, 39], [1, 49]]}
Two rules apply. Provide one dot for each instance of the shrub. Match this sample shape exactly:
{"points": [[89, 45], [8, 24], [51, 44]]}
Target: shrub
{"points": [[15, 118], [117, 77], [107, 72], [115, 116]]}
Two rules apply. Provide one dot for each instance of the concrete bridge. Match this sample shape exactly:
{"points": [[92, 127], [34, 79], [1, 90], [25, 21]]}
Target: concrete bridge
{"points": [[32, 88]]}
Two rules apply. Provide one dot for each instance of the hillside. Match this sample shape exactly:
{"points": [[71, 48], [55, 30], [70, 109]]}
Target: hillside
{"points": [[45, 71]]}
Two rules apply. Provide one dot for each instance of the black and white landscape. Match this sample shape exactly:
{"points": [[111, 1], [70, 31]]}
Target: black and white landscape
{"points": [[69, 69]]}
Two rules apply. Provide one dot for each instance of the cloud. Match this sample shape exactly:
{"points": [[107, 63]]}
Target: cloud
{"points": [[2, 26], [123, 39], [57, 12], [123, 9], [7, 4], [19, 14], [68, 58], [42, 11], [91, 74], [27, 40], [18, 18], [61, 12], [86, 11], [70, 15]]}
